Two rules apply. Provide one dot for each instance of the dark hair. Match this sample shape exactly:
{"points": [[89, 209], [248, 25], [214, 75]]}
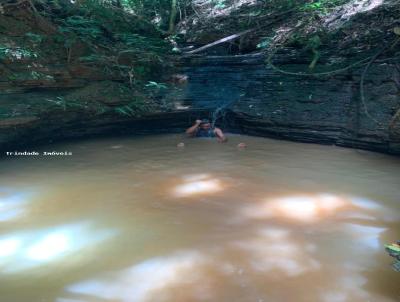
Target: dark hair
{"points": [[205, 121]]}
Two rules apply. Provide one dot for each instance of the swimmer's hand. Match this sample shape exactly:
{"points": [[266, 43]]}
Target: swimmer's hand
{"points": [[192, 130]]}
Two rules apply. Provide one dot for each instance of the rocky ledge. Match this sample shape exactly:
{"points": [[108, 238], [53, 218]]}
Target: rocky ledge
{"points": [[20, 133]]}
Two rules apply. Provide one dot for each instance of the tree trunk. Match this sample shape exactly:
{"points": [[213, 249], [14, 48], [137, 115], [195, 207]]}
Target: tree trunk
{"points": [[172, 17]]}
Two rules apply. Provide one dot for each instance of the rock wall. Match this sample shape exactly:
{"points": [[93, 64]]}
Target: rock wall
{"points": [[57, 81], [309, 109]]}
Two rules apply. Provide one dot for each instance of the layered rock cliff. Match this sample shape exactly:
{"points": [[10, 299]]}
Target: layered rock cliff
{"points": [[264, 102], [351, 98]]}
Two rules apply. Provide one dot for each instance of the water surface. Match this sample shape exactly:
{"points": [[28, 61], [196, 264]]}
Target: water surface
{"points": [[138, 219]]}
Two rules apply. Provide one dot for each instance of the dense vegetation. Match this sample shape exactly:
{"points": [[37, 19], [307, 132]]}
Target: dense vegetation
{"points": [[45, 43], [150, 29]]}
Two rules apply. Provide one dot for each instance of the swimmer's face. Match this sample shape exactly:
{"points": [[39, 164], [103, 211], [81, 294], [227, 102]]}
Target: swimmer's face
{"points": [[205, 126]]}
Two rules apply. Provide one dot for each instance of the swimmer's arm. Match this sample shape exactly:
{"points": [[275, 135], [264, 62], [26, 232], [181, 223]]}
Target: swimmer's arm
{"points": [[192, 130], [220, 135]]}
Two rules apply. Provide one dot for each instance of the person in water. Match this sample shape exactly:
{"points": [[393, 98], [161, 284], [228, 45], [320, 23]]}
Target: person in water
{"points": [[202, 128]]}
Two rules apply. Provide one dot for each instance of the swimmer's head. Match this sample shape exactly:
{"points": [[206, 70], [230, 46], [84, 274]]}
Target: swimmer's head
{"points": [[205, 124]]}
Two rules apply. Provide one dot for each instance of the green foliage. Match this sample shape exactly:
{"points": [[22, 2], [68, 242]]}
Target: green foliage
{"points": [[322, 6], [34, 38], [78, 28], [140, 70], [30, 75], [134, 108], [125, 110], [144, 43], [265, 43], [94, 58], [157, 12], [314, 42], [219, 4], [83, 27], [112, 37], [61, 103], [283, 4]]}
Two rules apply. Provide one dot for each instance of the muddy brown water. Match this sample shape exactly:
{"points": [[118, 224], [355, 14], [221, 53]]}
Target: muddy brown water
{"points": [[137, 219]]}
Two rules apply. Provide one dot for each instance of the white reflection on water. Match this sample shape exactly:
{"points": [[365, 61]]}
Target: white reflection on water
{"points": [[198, 184], [9, 246], [12, 204], [26, 250], [314, 208], [365, 203], [368, 236], [349, 286], [276, 250], [302, 208], [374, 208], [49, 247], [138, 282], [334, 296]]}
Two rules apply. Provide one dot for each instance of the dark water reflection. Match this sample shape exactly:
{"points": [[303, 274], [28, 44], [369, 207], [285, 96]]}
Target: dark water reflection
{"points": [[138, 219]]}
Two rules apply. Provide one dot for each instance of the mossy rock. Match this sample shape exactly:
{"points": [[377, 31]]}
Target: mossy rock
{"points": [[105, 92]]}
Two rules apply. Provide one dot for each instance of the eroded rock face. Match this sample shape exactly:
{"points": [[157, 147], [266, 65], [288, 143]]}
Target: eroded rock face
{"points": [[320, 110], [55, 85]]}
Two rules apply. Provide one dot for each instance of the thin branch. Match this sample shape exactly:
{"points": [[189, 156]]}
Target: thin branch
{"points": [[223, 40]]}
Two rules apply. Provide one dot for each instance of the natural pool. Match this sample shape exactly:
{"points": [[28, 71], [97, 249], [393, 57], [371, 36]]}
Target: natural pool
{"points": [[138, 219]]}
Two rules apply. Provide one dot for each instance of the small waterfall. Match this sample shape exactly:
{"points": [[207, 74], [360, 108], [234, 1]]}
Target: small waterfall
{"points": [[220, 112], [215, 83]]}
